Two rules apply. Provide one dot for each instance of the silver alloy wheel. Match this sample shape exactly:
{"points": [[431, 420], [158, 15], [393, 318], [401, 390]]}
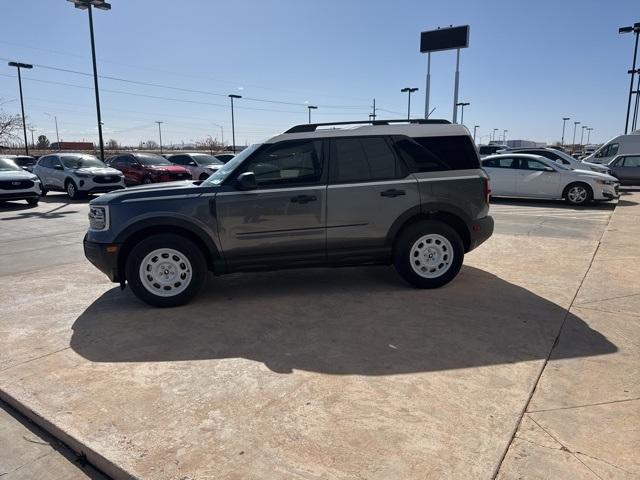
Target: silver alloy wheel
{"points": [[71, 189], [577, 194], [431, 255], [165, 272]]}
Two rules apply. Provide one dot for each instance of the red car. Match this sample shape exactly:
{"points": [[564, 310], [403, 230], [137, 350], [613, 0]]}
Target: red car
{"points": [[144, 168]]}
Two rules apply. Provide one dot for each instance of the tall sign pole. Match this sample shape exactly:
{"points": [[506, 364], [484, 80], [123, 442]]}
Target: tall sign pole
{"points": [[448, 38]]}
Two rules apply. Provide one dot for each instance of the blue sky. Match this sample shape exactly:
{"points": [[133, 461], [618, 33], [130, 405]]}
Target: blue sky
{"points": [[528, 65]]}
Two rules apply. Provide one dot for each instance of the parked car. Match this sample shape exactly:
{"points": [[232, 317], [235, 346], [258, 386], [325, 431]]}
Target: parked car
{"points": [[145, 168], [620, 145], [26, 162], [563, 158], [532, 176], [409, 194], [224, 157], [78, 174], [626, 168], [16, 184], [200, 165], [485, 150]]}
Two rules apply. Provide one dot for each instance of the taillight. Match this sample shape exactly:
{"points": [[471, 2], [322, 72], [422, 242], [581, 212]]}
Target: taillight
{"points": [[486, 190]]}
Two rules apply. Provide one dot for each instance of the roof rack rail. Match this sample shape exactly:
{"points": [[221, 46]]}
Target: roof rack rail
{"points": [[311, 127]]}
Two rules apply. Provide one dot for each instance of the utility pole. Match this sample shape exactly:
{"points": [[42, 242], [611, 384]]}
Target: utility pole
{"points": [[636, 30], [160, 134], [33, 143], [462, 104], [19, 65], [475, 127], [309, 108], [573, 144], [233, 125], [373, 115]]}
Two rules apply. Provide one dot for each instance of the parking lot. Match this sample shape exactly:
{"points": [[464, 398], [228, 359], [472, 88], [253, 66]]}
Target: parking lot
{"points": [[342, 373]]}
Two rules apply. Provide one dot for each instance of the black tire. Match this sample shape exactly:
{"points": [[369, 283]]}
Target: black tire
{"points": [[43, 192], [33, 201], [146, 181], [402, 256], [175, 242], [583, 200], [72, 189]]}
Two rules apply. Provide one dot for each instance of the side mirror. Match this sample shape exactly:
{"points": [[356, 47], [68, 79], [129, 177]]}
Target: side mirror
{"points": [[247, 181], [58, 167], [549, 169], [193, 164]]}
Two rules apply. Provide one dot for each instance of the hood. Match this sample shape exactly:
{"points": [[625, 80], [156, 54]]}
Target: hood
{"points": [[595, 175], [98, 171], [152, 190], [582, 165], [17, 175], [167, 168]]}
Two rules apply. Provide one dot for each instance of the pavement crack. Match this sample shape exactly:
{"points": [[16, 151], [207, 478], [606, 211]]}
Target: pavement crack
{"points": [[565, 448], [538, 444], [583, 406], [33, 359], [608, 299]]}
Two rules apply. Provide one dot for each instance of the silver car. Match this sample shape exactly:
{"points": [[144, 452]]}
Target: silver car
{"points": [[77, 174], [16, 184], [200, 165]]}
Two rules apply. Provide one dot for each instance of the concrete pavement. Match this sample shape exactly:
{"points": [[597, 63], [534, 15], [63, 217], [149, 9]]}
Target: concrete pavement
{"points": [[324, 373]]}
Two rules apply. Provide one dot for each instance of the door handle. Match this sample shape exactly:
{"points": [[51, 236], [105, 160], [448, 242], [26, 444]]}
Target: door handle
{"points": [[303, 199], [392, 192]]}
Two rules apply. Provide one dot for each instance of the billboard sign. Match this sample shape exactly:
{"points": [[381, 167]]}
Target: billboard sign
{"points": [[449, 38]]}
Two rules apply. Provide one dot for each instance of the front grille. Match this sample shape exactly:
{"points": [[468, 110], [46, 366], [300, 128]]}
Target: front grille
{"points": [[106, 179], [15, 184]]}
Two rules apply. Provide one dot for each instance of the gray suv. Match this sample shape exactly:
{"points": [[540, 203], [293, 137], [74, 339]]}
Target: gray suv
{"points": [[411, 193]]}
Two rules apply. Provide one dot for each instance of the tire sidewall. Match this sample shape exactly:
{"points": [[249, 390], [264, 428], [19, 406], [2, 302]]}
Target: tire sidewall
{"points": [[75, 189], [404, 243], [147, 181], [176, 242]]}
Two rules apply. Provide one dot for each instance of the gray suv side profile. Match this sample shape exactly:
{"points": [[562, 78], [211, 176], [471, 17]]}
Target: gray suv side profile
{"points": [[407, 193]]}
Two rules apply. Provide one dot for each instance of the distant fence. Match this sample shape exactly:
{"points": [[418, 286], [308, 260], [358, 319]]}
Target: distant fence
{"points": [[107, 152]]}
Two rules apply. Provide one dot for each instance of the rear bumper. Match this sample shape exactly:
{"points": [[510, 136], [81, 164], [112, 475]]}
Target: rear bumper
{"points": [[481, 230], [104, 260]]}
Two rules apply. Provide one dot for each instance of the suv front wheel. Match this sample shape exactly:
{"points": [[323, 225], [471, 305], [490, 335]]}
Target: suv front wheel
{"points": [[166, 270], [428, 254]]}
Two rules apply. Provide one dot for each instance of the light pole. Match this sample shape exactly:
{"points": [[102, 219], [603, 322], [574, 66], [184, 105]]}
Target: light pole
{"points": [[409, 90], [55, 119], [573, 144], [221, 133], [19, 65], [589, 134], [160, 134], [101, 5], [582, 134], [494, 133], [309, 108], [33, 143], [635, 29], [564, 120], [475, 127], [233, 125], [462, 104], [504, 136]]}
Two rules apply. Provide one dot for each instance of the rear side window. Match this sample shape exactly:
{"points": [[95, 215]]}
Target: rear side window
{"points": [[500, 163], [632, 161], [456, 152], [418, 157], [363, 159]]}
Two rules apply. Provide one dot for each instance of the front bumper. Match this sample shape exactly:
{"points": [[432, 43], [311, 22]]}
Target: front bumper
{"points": [[481, 230], [102, 258], [608, 192], [20, 195]]}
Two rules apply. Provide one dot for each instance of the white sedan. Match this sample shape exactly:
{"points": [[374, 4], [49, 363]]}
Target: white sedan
{"points": [[533, 176]]}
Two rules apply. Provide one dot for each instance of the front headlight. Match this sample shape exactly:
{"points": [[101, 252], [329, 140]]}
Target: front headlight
{"points": [[82, 175], [35, 179], [605, 182], [98, 217]]}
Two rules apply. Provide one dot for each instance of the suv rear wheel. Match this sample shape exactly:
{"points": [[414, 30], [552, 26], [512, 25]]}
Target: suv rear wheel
{"points": [[166, 270], [428, 254]]}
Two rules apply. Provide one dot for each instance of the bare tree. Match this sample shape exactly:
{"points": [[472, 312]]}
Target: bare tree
{"points": [[10, 125], [208, 143], [112, 144], [43, 142]]}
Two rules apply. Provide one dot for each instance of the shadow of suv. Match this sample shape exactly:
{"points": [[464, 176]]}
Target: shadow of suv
{"points": [[409, 193]]}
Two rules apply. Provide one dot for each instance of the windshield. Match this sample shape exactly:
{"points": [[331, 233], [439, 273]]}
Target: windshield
{"points": [[81, 161], [220, 175], [151, 159], [8, 165], [202, 159]]}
